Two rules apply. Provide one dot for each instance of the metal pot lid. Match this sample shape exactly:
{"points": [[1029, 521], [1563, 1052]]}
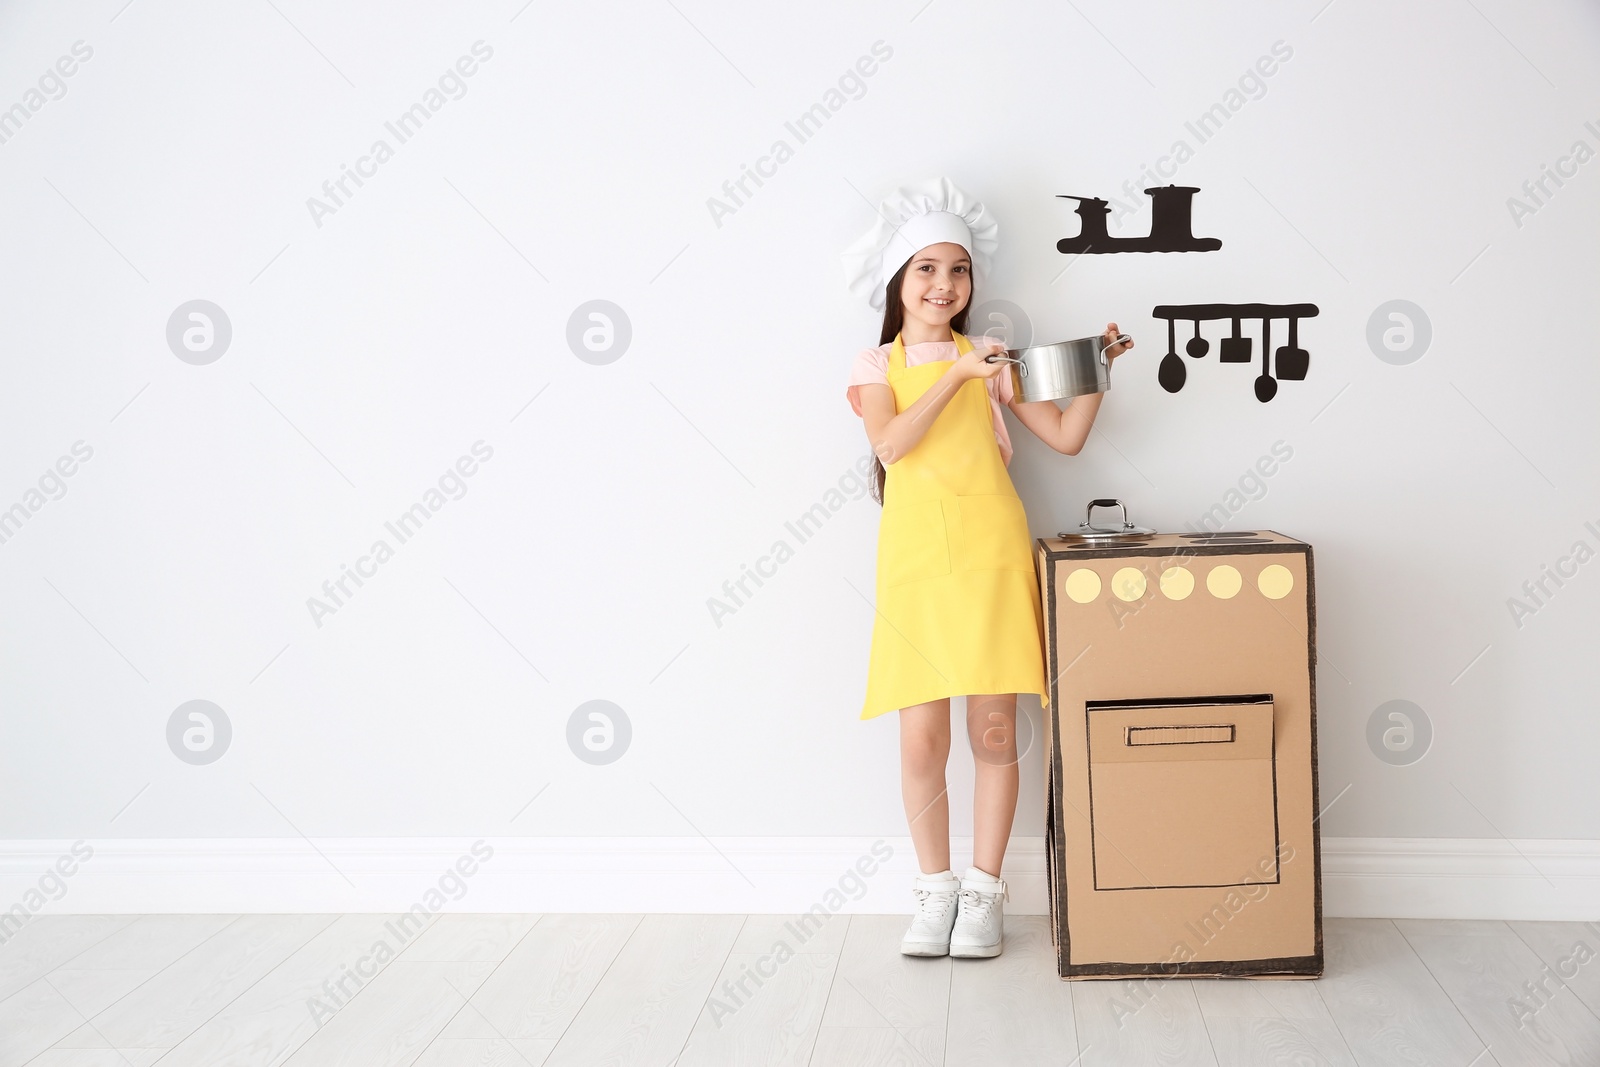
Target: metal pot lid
{"points": [[1105, 533]]}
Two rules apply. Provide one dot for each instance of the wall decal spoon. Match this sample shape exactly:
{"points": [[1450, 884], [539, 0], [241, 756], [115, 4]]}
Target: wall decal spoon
{"points": [[1266, 385]]}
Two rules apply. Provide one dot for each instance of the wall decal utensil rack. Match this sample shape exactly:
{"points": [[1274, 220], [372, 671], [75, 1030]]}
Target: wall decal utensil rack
{"points": [[1292, 361]]}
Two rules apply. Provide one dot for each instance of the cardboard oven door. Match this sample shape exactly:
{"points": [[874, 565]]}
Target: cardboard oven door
{"points": [[1182, 792]]}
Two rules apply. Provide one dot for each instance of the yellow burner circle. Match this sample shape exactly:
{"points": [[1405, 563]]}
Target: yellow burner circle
{"points": [[1128, 584], [1224, 582], [1083, 585], [1275, 581], [1177, 583]]}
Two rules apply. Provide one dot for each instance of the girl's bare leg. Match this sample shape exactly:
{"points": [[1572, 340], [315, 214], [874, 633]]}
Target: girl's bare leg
{"points": [[924, 752], [992, 732]]}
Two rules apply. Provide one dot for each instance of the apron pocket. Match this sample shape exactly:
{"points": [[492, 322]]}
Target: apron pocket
{"points": [[994, 533], [912, 544]]}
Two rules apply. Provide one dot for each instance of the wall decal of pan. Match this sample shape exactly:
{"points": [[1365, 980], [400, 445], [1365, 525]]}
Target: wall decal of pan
{"points": [[1170, 228], [1293, 361]]}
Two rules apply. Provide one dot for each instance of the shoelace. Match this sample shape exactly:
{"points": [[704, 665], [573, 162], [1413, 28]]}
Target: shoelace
{"points": [[979, 904], [931, 906]]}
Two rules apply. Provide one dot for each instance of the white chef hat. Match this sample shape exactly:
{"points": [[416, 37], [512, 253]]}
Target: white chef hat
{"points": [[910, 219]]}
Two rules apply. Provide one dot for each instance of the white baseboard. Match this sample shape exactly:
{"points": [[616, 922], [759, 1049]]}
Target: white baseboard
{"points": [[1445, 878]]}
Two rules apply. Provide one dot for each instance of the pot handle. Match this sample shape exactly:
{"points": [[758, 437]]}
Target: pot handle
{"points": [[1023, 367], [1088, 513], [1121, 337]]}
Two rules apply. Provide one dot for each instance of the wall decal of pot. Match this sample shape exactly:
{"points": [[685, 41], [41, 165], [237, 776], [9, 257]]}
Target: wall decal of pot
{"points": [[1170, 228], [1293, 361]]}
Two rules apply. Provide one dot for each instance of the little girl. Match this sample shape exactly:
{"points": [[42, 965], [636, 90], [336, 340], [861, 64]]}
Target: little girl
{"points": [[958, 605]]}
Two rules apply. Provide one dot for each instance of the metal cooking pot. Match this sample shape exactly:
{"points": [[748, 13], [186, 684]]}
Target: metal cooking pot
{"points": [[1062, 370], [1089, 533]]}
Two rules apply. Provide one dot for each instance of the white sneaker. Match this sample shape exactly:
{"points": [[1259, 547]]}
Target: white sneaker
{"points": [[929, 934], [980, 917]]}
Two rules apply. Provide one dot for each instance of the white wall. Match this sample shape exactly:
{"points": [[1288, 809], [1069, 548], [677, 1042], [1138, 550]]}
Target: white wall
{"points": [[371, 348]]}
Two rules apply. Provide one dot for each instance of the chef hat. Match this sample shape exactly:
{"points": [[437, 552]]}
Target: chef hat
{"points": [[913, 217]]}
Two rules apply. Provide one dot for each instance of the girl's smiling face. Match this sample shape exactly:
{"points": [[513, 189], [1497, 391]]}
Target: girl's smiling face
{"points": [[938, 284]]}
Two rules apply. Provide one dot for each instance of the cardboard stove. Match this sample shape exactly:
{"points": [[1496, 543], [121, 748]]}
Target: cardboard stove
{"points": [[1181, 750]]}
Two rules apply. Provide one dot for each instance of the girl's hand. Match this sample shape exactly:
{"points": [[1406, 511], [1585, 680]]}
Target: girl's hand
{"points": [[973, 365], [1110, 335]]}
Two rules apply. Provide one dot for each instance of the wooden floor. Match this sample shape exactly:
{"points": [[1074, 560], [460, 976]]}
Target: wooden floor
{"points": [[212, 990]]}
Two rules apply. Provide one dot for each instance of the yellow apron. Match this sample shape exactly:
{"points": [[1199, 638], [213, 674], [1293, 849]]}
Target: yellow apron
{"points": [[958, 600]]}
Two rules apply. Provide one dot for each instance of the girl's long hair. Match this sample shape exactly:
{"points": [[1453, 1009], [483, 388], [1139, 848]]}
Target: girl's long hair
{"points": [[894, 318]]}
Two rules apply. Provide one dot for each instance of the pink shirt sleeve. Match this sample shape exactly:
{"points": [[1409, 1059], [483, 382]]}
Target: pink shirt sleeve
{"points": [[1002, 385], [871, 367]]}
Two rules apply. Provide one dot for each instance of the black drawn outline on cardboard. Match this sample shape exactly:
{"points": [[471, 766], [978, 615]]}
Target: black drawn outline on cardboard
{"points": [[1293, 362], [1170, 226]]}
